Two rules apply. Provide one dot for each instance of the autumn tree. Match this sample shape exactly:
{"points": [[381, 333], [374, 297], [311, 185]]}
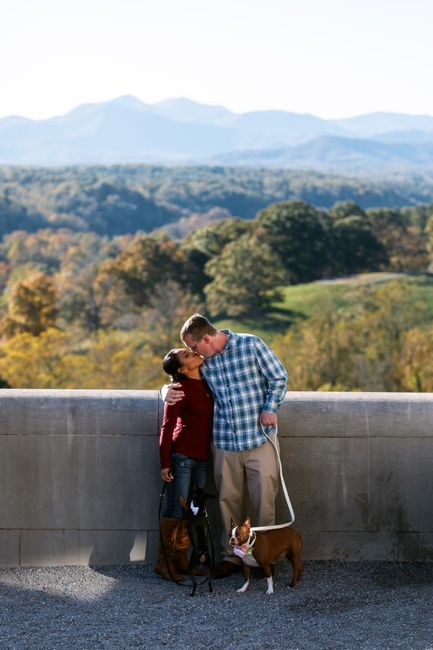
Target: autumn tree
{"points": [[121, 360], [405, 249], [317, 352], [360, 347], [32, 307], [29, 361], [416, 371], [148, 261], [94, 298], [169, 307], [55, 360]]}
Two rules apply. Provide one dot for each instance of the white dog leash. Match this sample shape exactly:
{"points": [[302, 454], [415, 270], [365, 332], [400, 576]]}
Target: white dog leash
{"points": [[286, 494]]}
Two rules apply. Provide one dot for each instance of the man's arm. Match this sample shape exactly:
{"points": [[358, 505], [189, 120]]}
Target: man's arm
{"points": [[172, 393], [272, 368], [169, 421]]}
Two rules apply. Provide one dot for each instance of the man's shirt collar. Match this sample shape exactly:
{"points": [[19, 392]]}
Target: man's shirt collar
{"points": [[231, 341]]}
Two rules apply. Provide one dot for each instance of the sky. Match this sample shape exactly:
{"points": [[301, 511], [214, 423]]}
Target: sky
{"points": [[330, 58]]}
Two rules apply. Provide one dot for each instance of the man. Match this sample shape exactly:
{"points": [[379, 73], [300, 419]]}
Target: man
{"points": [[248, 383]]}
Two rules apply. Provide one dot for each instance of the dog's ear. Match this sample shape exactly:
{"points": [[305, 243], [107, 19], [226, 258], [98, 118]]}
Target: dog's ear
{"points": [[209, 496], [232, 524], [247, 523]]}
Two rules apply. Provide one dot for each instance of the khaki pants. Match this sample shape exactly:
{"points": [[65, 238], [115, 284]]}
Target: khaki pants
{"points": [[234, 471]]}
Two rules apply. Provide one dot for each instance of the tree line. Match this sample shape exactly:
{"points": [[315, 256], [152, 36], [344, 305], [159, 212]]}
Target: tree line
{"points": [[121, 200], [85, 309]]}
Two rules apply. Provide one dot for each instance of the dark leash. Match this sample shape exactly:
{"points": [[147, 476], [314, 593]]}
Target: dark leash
{"points": [[209, 537]]}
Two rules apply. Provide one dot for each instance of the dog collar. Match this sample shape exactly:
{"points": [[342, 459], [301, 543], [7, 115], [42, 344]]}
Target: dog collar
{"points": [[245, 549]]}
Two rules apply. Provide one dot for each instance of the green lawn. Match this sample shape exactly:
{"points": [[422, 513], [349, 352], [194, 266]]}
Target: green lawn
{"points": [[301, 300]]}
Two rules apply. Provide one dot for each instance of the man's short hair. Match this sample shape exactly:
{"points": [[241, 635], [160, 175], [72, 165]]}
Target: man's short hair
{"points": [[196, 327]]}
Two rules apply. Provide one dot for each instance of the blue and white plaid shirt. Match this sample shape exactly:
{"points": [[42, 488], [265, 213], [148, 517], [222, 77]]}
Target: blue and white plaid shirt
{"points": [[246, 378]]}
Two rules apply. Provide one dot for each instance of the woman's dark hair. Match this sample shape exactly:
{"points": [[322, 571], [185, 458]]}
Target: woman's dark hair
{"points": [[171, 365]]}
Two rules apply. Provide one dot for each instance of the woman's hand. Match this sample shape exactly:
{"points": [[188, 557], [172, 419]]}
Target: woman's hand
{"points": [[166, 474]]}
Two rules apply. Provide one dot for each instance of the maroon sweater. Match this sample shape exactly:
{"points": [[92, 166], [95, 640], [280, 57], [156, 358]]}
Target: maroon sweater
{"points": [[187, 425]]}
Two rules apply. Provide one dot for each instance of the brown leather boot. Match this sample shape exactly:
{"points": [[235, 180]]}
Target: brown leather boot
{"points": [[180, 556], [164, 566], [181, 546]]}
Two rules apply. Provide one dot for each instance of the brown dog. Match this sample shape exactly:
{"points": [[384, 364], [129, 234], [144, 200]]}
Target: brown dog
{"points": [[262, 548]]}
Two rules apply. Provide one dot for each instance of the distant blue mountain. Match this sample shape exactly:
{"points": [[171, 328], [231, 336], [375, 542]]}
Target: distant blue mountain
{"points": [[185, 110], [340, 155], [374, 124], [126, 130]]}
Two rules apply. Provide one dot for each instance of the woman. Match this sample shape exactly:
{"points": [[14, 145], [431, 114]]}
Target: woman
{"points": [[184, 450]]}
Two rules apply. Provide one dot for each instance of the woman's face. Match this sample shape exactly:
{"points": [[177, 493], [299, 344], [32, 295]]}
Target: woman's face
{"points": [[188, 360]]}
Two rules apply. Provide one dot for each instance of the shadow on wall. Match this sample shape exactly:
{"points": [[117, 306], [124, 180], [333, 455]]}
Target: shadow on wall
{"points": [[132, 548]]}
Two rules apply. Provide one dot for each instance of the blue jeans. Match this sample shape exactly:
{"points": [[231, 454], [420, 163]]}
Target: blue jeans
{"points": [[187, 473]]}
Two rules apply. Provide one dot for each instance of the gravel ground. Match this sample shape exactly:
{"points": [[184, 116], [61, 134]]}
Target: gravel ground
{"points": [[337, 605]]}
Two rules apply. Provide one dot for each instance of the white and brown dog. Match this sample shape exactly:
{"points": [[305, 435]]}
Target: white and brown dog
{"points": [[262, 548]]}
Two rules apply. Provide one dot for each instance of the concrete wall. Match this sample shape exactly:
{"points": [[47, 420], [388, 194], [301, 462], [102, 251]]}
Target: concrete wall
{"points": [[79, 475]]}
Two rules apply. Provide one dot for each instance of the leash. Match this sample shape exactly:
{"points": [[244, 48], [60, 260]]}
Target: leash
{"points": [[283, 484]]}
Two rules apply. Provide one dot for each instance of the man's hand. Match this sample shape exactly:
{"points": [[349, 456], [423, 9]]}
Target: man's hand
{"points": [[172, 393], [268, 419], [166, 475]]}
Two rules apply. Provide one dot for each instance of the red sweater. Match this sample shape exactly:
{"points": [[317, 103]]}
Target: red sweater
{"points": [[187, 425]]}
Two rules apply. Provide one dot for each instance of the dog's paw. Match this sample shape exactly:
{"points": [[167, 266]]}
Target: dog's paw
{"points": [[270, 589], [243, 588]]}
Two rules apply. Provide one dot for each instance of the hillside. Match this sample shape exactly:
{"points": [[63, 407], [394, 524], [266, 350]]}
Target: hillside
{"points": [[125, 199], [302, 300]]}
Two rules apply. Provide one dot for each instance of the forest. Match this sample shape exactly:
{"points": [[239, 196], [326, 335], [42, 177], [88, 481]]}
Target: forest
{"points": [[99, 267]]}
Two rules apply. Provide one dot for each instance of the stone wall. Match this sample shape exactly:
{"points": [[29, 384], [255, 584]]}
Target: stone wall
{"points": [[79, 475]]}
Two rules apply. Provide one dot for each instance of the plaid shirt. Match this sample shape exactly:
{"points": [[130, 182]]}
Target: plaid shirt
{"points": [[246, 378]]}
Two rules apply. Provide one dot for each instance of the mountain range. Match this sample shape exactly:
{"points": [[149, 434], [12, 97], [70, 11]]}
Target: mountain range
{"points": [[181, 131]]}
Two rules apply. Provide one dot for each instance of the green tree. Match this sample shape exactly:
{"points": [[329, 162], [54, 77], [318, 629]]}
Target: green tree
{"points": [[429, 244], [296, 234], [343, 209], [245, 278], [353, 246]]}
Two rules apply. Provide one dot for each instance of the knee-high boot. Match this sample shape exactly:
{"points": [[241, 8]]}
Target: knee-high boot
{"points": [[164, 566], [181, 546]]}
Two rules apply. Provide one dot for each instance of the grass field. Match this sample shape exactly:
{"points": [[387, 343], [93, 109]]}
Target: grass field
{"points": [[301, 300]]}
